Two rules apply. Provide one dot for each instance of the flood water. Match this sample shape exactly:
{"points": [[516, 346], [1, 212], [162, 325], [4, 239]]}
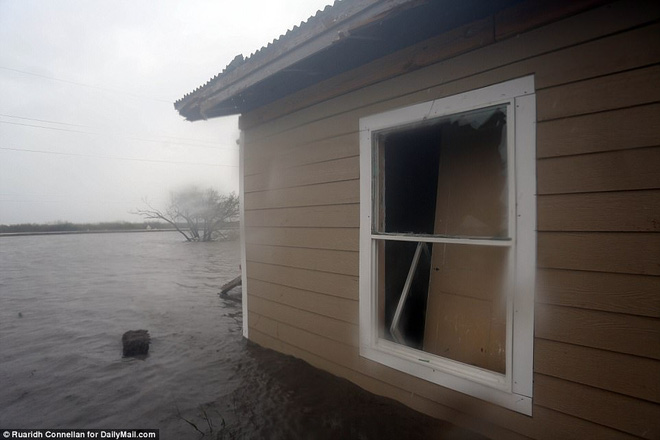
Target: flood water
{"points": [[65, 301]]}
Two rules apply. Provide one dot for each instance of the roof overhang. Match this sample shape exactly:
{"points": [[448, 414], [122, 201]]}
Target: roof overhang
{"points": [[338, 39]]}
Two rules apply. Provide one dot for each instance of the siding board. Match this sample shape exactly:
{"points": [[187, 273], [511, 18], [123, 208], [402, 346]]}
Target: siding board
{"points": [[333, 193], [319, 172], [629, 375], [331, 216], [620, 412], [613, 130], [534, 13], [344, 286], [340, 262], [636, 48], [266, 340], [342, 354], [261, 323], [342, 239], [634, 335], [609, 92], [553, 425], [608, 292], [637, 211], [609, 171], [634, 253], [339, 331], [266, 157], [330, 306]]}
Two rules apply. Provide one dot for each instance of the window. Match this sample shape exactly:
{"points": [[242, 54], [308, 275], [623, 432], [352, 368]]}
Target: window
{"points": [[447, 241]]}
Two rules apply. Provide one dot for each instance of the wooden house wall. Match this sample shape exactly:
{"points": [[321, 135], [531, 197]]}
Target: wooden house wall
{"points": [[597, 331]]}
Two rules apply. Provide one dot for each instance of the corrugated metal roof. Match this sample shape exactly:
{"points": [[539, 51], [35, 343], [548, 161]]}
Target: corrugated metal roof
{"points": [[329, 13], [337, 39], [322, 22], [263, 52]]}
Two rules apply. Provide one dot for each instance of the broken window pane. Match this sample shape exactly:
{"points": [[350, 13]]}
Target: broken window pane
{"points": [[395, 261], [456, 305], [466, 310], [445, 177]]}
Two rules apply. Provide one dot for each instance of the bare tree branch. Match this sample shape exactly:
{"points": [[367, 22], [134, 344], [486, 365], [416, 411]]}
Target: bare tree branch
{"points": [[205, 212]]}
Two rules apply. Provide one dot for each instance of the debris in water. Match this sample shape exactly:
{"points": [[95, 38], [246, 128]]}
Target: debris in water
{"points": [[230, 285], [136, 342]]}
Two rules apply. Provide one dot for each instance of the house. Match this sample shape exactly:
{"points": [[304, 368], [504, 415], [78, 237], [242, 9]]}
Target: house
{"points": [[456, 204]]}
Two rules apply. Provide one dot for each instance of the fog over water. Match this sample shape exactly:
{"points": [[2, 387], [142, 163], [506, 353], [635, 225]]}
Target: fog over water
{"points": [[87, 123], [65, 301]]}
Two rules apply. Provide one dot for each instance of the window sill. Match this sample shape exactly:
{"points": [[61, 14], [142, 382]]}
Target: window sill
{"points": [[460, 377]]}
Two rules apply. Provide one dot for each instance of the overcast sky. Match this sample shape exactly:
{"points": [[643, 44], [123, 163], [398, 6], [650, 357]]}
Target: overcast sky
{"points": [[87, 123]]}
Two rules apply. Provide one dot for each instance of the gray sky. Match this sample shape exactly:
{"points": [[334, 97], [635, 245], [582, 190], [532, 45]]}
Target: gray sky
{"points": [[87, 123]]}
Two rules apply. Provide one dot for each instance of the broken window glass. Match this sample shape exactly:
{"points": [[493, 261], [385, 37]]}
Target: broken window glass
{"points": [[445, 179]]}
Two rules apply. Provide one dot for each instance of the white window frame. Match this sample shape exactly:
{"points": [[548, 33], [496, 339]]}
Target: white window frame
{"points": [[243, 242], [512, 390]]}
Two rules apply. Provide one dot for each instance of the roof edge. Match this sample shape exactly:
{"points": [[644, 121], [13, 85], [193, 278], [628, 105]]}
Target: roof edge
{"points": [[325, 28]]}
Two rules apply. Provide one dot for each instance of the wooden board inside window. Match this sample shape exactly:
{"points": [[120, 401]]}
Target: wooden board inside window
{"points": [[466, 310]]}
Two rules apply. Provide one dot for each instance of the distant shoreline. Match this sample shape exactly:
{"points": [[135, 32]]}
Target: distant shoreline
{"points": [[100, 231]]}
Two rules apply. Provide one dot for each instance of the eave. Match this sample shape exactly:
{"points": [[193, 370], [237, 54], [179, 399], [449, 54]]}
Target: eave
{"points": [[336, 40]]}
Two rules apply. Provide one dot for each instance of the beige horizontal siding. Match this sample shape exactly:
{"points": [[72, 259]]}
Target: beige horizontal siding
{"points": [[620, 170], [264, 157], [322, 260], [597, 348], [341, 239], [339, 331], [603, 407], [330, 216], [626, 89], [636, 335], [344, 286], [599, 368], [333, 193], [634, 127], [610, 292], [333, 170], [338, 308], [616, 252], [628, 211]]}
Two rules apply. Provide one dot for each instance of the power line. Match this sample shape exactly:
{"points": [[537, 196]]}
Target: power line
{"points": [[75, 83], [44, 120], [114, 135], [96, 128], [57, 153], [63, 200], [47, 128]]}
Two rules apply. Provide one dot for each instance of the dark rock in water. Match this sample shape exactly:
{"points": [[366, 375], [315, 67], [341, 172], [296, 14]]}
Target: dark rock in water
{"points": [[136, 342]]}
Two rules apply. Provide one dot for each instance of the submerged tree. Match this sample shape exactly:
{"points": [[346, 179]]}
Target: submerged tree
{"points": [[198, 215]]}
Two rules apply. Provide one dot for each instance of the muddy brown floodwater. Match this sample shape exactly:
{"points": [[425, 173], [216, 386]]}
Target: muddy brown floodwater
{"points": [[66, 300]]}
